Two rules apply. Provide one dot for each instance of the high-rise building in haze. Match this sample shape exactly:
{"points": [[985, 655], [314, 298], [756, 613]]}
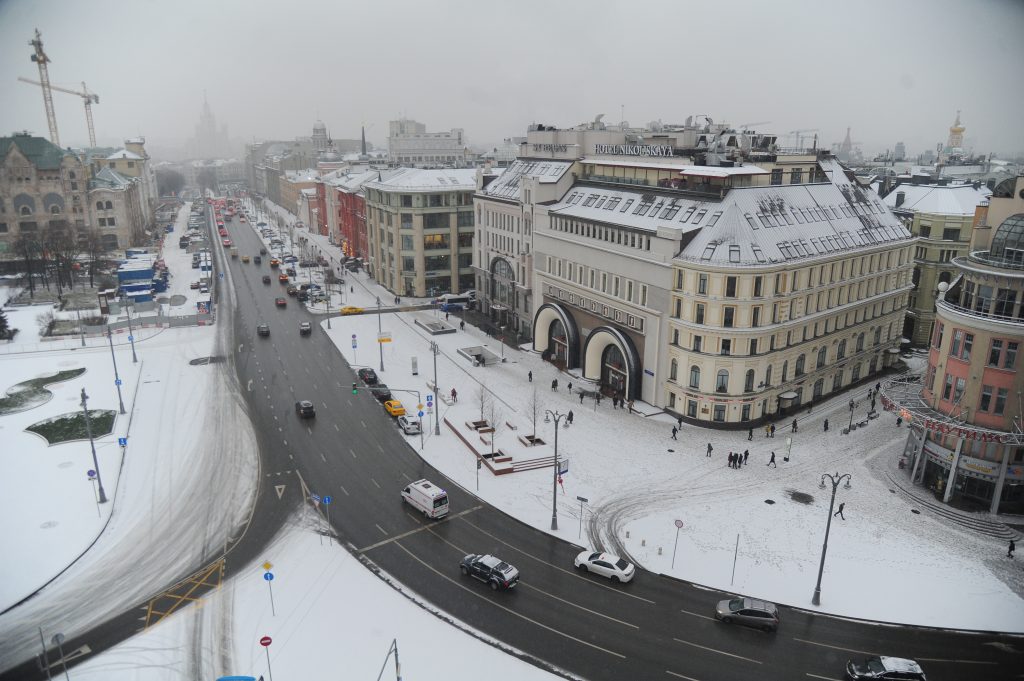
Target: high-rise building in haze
{"points": [[210, 141]]}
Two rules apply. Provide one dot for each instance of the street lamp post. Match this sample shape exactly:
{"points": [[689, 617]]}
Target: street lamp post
{"points": [[117, 379], [131, 334], [557, 417], [379, 332], [92, 445], [849, 428], [835, 480], [437, 421]]}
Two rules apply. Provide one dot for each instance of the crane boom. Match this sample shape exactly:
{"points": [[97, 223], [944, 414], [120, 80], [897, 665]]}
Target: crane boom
{"points": [[88, 98], [41, 60]]}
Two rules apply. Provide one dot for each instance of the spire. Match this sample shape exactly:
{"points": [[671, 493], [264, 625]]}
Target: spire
{"points": [[363, 128]]}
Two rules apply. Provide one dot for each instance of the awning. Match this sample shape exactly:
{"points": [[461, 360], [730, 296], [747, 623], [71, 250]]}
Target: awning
{"points": [[788, 395], [893, 351]]}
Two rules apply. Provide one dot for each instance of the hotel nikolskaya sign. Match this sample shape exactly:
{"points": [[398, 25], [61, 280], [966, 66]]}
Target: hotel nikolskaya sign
{"points": [[634, 149]]}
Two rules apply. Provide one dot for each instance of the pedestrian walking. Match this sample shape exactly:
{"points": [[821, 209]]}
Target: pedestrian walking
{"points": [[462, 325], [878, 386], [351, 289], [631, 406], [554, 384], [810, 405], [679, 420], [899, 421], [570, 386], [729, 458], [869, 393], [746, 455], [767, 430], [597, 397], [674, 431], [771, 461], [1011, 549], [840, 512], [455, 395], [773, 430], [826, 425], [794, 426], [710, 449], [529, 375], [750, 434], [569, 416], [581, 397], [446, 316]]}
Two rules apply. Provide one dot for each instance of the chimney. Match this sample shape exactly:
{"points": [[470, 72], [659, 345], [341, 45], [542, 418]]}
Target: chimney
{"points": [[900, 198]]}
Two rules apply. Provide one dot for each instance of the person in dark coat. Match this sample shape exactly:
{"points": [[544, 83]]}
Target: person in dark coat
{"points": [[710, 449], [455, 395], [773, 430], [674, 431], [462, 325], [750, 434], [771, 461], [581, 397], [826, 425], [554, 384], [529, 375], [1011, 549], [746, 455], [569, 416], [899, 421], [794, 426], [570, 387], [840, 512], [730, 460]]}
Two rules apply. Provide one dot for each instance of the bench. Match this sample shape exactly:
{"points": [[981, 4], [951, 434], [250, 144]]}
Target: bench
{"points": [[510, 426]]}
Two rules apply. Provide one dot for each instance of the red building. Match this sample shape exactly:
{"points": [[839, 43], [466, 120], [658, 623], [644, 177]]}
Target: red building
{"points": [[352, 222]]}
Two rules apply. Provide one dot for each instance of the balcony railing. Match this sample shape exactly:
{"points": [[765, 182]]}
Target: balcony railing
{"points": [[1000, 319]]}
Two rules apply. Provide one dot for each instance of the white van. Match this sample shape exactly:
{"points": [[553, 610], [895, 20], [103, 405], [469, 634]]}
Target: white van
{"points": [[427, 497]]}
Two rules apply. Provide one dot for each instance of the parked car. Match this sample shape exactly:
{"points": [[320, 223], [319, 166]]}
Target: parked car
{"points": [[351, 309], [263, 330], [281, 302], [266, 278], [409, 426], [227, 243], [291, 272], [275, 263], [194, 285], [257, 259], [394, 408], [882, 667], [203, 288], [381, 392], [606, 565], [263, 251], [750, 611], [495, 572], [305, 409], [292, 290], [305, 328], [367, 376], [282, 278]]}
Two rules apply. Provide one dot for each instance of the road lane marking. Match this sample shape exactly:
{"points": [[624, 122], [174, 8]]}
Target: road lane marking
{"points": [[680, 676], [323, 457], [826, 645], [325, 407], [475, 593], [285, 442], [344, 490], [577, 605], [557, 567], [309, 430], [380, 448], [376, 483], [826, 678], [337, 428], [695, 614], [421, 529], [352, 452], [716, 650], [362, 422], [382, 530]]}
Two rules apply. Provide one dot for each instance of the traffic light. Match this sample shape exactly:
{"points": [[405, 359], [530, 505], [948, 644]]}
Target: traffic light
{"points": [[355, 389]]}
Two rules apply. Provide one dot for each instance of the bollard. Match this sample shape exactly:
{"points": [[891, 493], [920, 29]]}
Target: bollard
{"points": [[643, 542], [659, 550]]}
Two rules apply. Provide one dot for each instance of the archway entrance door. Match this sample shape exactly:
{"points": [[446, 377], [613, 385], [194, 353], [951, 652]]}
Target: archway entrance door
{"points": [[558, 345], [613, 371]]}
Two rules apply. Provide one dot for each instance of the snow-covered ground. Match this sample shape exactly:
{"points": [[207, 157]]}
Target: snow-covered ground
{"points": [[884, 562]]}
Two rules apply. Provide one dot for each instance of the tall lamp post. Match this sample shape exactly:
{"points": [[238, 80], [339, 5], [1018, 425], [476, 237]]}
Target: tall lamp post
{"points": [[556, 417], [835, 480], [849, 429], [434, 350], [379, 332], [95, 461], [131, 334], [117, 379]]}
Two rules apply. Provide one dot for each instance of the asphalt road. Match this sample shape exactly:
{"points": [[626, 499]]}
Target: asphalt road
{"points": [[653, 628]]}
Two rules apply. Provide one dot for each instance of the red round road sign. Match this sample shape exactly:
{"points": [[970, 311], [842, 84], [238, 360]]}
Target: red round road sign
{"points": [[679, 523], [266, 641]]}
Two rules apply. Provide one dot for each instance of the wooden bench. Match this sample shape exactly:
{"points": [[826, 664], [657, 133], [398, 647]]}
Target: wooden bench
{"points": [[510, 426]]}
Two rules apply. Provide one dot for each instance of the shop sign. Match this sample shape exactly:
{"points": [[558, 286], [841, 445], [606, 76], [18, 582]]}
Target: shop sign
{"points": [[634, 149]]}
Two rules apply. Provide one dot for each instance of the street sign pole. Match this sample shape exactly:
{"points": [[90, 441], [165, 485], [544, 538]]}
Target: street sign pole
{"points": [[327, 507], [679, 526], [265, 642], [269, 577], [582, 500]]}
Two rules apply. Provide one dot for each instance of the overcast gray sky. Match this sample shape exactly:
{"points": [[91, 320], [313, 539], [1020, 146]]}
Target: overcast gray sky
{"points": [[890, 70]]}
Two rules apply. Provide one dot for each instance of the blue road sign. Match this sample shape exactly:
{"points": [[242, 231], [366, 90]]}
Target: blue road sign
{"points": [[122, 442], [269, 576], [220, 276], [430, 398], [131, 338], [91, 473], [315, 497], [117, 381], [327, 500], [420, 414], [353, 336], [353, 343]]}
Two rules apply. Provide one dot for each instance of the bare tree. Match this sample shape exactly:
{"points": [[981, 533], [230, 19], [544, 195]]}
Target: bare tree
{"points": [[27, 247], [95, 250], [64, 249], [535, 408], [484, 399], [496, 416]]}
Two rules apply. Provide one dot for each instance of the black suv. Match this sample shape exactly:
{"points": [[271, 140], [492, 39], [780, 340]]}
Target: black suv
{"points": [[263, 330], [495, 572], [367, 376], [305, 409], [305, 328], [380, 391]]}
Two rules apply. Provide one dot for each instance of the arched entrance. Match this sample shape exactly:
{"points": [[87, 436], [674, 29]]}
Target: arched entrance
{"points": [[502, 288], [610, 358], [556, 336]]}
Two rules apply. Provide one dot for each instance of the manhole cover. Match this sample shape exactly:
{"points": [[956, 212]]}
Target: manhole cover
{"points": [[178, 300], [800, 497], [769, 501], [915, 511]]}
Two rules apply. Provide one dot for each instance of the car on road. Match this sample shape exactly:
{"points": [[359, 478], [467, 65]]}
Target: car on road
{"points": [[394, 407], [257, 259], [305, 409], [291, 272], [288, 257], [245, 258], [882, 667], [606, 565], [281, 302], [275, 263], [305, 328], [261, 224], [367, 376], [194, 285], [292, 290], [409, 425], [495, 572], [283, 278], [226, 243], [351, 309], [263, 330], [750, 611], [266, 278], [380, 391], [222, 231], [203, 288], [263, 251]]}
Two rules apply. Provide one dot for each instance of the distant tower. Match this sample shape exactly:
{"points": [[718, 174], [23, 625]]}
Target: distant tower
{"points": [[901, 151], [319, 137], [846, 148], [956, 134]]}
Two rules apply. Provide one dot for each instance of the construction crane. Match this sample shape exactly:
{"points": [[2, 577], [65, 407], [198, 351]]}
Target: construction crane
{"points": [[89, 98], [745, 127], [41, 61], [799, 135]]}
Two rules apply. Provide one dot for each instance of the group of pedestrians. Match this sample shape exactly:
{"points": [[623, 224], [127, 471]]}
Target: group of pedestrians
{"points": [[738, 460]]}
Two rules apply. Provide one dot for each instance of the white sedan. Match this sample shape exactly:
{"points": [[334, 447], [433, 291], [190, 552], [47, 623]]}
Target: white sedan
{"points": [[606, 565], [408, 425]]}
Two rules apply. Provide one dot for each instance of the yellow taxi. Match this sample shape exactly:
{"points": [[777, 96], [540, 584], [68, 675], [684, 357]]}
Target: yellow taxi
{"points": [[350, 309], [245, 258], [394, 407]]}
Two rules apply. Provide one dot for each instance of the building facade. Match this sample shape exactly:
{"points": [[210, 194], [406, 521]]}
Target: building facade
{"points": [[420, 231], [117, 209], [410, 145], [942, 217], [966, 443]]}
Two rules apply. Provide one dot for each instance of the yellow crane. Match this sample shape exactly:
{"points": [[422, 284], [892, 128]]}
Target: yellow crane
{"points": [[88, 98]]}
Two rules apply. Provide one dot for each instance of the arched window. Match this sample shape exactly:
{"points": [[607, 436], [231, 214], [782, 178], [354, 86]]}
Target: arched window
{"points": [[673, 370], [785, 370], [878, 336], [55, 210], [800, 361], [748, 382], [25, 210], [722, 381], [99, 205], [71, 174], [109, 205], [768, 375], [695, 376], [822, 357], [841, 352], [860, 342]]}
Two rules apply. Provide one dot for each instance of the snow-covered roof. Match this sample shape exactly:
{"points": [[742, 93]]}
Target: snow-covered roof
{"points": [[428, 180], [308, 175], [953, 199], [108, 178], [749, 225], [124, 154], [507, 185], [722, 171]]}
